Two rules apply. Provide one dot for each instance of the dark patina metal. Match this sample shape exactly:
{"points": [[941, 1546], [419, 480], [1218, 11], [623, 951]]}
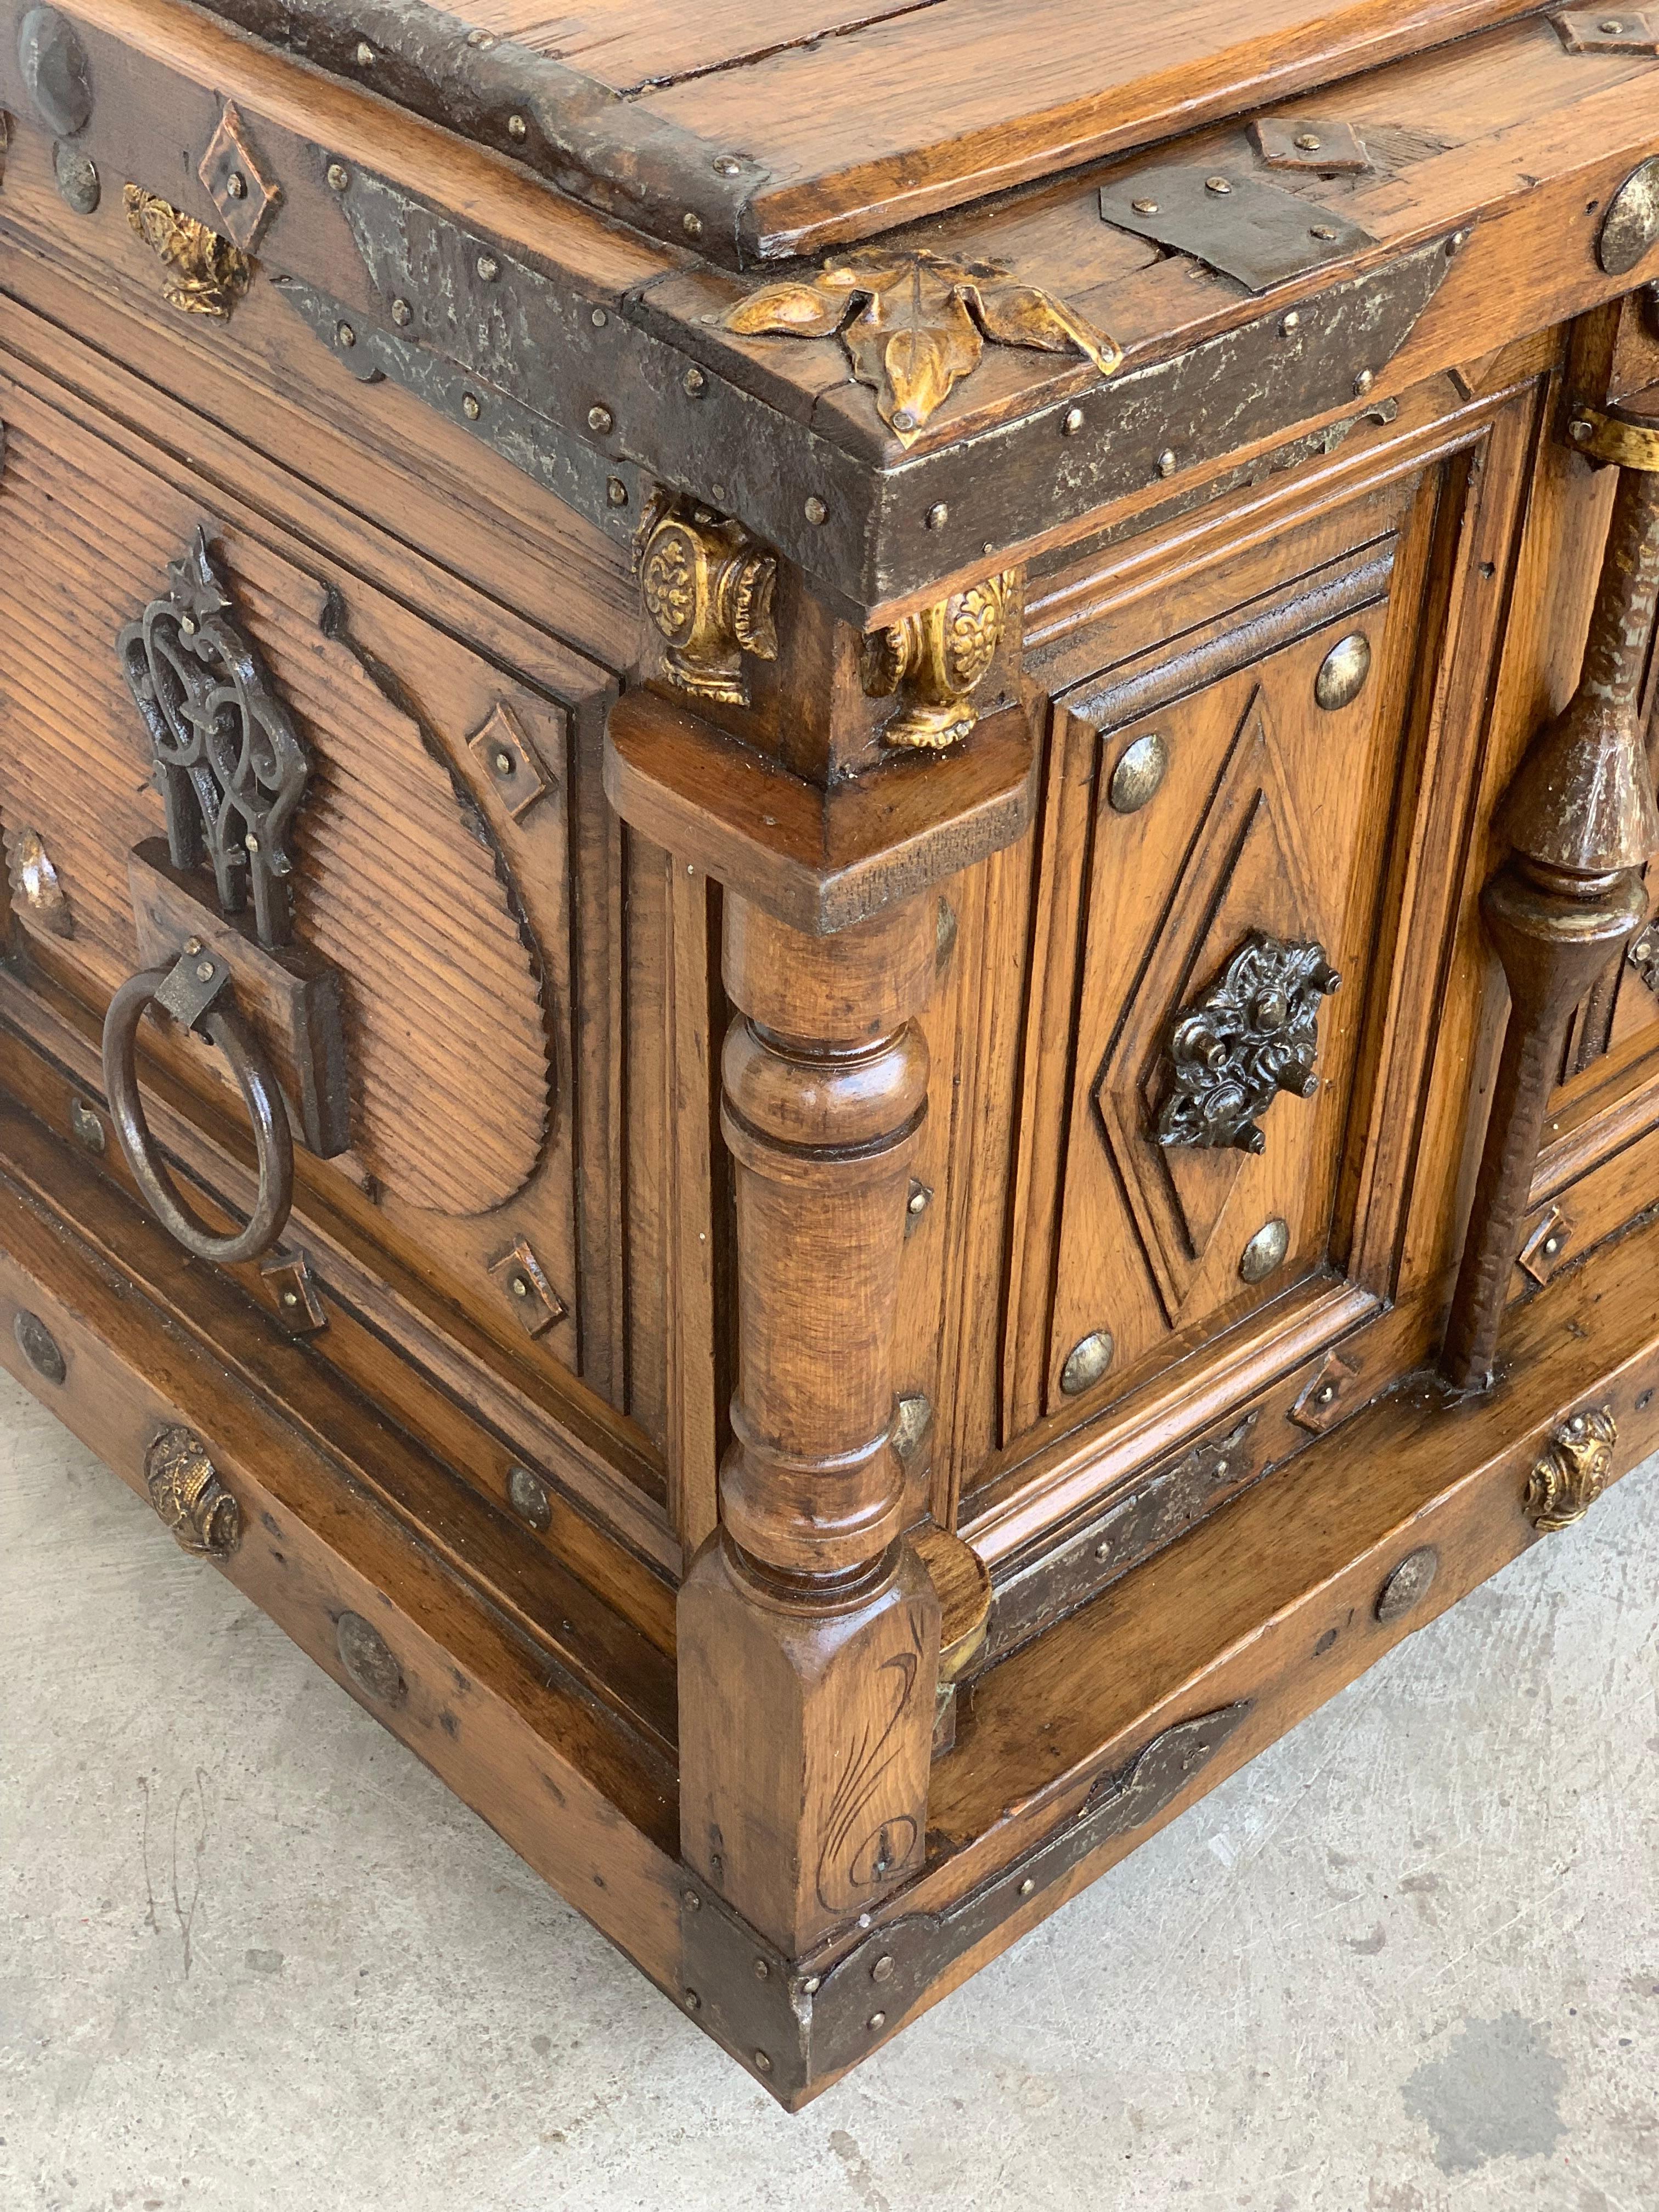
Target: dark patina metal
{"points": [[228, 761], [55, 73], [794, 2024], [1408, 1585], [196, 990], [577, 133], [524, 361], [369, 1660], [1233, 220], [39, 1346], [1252, 1034], [1137, 1524]]}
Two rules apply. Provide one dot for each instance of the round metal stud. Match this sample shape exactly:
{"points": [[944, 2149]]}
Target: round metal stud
{"points": [[693, 2001], [600, 419], [883, 1969], [1071, 422], [1289, 323], [338, 176], [1631, 223], [727, 165], [402, 313], [1408, 1585], [489, 269], [54, 66], [762, 1970], [365, 54], [938, 516], [39, 1346], [527, 1495], [517, 129], [471, 406], [1265, 1251], [1087, 1362], [691, 223], [1167, 462], [815, 510], [78, 178], [1308, 141], [878, 2020], [368, 1659], [1363, 383], [763, 2062], [1027, 1887], [345, 335], [616, 491], [1218, 186], [1139, 773], [694, 383], [1144, 207], [1320, 230], [236, 185], [1343, 671]]}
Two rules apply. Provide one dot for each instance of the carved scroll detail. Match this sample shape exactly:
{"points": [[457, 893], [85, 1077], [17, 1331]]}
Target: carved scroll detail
{"points": [[708, 587], [185, 1490], [915, 324], [934, 659], [205, 274], [229, 762], [1573, 1471], [1250, 1036]]}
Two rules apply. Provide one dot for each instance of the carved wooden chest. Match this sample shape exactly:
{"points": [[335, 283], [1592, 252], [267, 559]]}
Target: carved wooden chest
{"points": [[829, 1003]]}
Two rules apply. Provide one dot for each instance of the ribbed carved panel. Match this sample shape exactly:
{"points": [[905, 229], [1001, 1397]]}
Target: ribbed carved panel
{"points": [[401, 885]]}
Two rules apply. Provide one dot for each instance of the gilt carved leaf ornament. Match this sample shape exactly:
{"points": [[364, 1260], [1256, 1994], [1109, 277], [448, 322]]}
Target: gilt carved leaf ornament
{"points": [[914, 324]]}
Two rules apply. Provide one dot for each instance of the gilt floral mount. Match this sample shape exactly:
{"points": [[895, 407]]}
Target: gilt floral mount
{"points": [[914, 324]]}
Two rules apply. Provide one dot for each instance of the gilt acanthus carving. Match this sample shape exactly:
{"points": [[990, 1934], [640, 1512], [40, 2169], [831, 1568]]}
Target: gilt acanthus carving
{"points": [[1572, 1473], [229, 762], [1251, 1034], [708, 587], [914, 324], [203, 273], [934, 659]]}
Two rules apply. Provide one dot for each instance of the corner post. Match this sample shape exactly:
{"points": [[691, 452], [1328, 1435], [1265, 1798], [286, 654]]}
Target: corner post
{"points": [[809, 1632], [1581, 824]]}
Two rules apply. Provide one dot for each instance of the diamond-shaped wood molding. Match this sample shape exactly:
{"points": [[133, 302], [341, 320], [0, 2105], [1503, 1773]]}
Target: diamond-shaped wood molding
{"points": [[1247, 872]]}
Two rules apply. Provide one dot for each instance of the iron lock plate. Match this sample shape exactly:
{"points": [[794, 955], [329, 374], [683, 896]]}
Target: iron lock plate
{"points": [[1233, 220]]}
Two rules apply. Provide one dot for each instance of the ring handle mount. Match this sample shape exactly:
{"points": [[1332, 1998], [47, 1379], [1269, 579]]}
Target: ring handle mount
{"points": [[197, 991]]}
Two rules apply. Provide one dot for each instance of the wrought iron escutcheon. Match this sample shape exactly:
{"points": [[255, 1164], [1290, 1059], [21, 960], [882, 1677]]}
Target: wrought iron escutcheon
{"points": [[232, 772], [1252, 1034]]}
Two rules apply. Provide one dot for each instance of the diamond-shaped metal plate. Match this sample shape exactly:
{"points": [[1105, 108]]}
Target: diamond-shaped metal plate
{"points": [[245, 195]]}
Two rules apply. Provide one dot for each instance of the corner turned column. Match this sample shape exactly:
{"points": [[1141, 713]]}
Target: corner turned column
{"points": [[1581, 824], [809, 1633]]}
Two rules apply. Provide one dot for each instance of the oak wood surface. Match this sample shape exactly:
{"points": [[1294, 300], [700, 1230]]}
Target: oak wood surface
{"points": [[861, 118]]}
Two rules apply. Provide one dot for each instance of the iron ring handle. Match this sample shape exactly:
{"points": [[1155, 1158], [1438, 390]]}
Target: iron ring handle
{"points": [[223, 1026]]}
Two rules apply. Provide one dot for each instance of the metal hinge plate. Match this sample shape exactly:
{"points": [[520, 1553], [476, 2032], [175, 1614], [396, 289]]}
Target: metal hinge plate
{"points": [[1235, 222]]}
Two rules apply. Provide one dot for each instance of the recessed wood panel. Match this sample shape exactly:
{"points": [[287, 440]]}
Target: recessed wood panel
{"points": [[400, 884]]}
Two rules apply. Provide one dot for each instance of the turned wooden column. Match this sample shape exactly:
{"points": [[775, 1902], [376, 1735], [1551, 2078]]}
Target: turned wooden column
{"points": [[809, 1633], [1581, 822]]}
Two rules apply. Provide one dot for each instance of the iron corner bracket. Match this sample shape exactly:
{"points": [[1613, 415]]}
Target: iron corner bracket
{"points": [[797, 2024]]}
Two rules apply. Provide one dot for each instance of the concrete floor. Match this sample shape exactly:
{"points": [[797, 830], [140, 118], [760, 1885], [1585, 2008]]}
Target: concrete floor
{"points": [[253, 1958]]}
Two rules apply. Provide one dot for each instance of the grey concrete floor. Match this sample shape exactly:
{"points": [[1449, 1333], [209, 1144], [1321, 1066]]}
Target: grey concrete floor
{"points": [[257, 1959]]}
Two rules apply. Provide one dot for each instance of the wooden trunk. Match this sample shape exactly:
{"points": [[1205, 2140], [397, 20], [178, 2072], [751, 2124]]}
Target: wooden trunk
{"points": [[881, 802]]}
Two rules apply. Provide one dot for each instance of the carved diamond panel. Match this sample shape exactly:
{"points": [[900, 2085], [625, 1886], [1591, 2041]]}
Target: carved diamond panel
{"points": [[1246, 871]]}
